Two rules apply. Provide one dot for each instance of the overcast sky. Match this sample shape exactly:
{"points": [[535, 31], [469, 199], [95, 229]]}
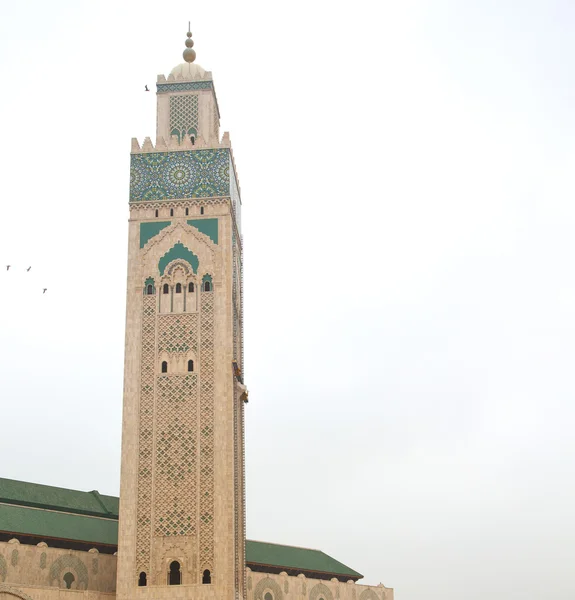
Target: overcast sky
{"points": [[407, 173]]}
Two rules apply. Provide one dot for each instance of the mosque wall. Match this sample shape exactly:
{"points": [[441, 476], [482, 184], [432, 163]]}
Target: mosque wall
{"points": [[265, 586], [44, 571]]}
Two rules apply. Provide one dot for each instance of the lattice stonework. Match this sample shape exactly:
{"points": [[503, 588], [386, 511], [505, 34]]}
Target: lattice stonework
{"points": [[175, 469], [178, 334], [184, 115], [207, 432], [216, 123], [239, 517], [148, 360]]}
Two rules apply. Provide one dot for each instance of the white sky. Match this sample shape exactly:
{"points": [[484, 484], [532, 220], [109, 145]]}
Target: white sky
{"points": [[407, 182]]}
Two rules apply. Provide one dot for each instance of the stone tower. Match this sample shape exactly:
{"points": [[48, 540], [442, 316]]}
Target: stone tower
{"points": [[182, 480]]}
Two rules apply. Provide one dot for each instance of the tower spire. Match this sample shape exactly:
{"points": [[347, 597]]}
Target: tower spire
{"points": [[189, 52]]}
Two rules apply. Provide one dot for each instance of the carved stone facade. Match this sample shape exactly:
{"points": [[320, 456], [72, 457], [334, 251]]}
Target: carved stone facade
{"points": [[43, 573], [40, 569], [182, 500], [182, 495]]}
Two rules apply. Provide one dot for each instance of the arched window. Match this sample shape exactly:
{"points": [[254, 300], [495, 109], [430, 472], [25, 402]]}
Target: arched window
{"points": [[268, 596], [193, 139], [207, 286], [69, 580], [178, 288], [190, 365], [207, 577], [166, 288], [187, 211], [171, 212], [156, 212], [191, 287], [142, 580], [164, 366], [150, 289], [175, 573], [201, 210]]}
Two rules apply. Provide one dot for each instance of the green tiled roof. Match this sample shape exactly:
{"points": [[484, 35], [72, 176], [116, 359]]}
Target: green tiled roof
{"points": [[55, 498], [292, 557], [51, 512], [51, 524]]}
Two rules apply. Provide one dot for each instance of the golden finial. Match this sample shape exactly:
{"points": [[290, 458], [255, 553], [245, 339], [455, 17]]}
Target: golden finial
{"points": [[189, 52]]}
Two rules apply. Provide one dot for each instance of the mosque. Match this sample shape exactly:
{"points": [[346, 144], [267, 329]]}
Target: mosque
{"points": [[177, 532]]}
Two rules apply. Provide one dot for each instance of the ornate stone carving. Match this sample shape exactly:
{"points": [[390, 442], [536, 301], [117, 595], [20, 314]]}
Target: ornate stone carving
{"points": [[265, 584], [368, 595], [207, 432], [147, 376], [320, 591], [7, 589], [72, 563]]}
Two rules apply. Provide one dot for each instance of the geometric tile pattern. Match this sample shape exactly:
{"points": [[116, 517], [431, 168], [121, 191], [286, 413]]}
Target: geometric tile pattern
{"points": [[3, 568], [148, 361], [164, 88], [216, 124], [178, 333], [182, 174], [207, 432], [175, 468], [175, 388], [183, 116]]}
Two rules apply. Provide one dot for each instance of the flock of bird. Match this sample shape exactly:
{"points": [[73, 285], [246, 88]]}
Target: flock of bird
{"points": [[28, 270]]}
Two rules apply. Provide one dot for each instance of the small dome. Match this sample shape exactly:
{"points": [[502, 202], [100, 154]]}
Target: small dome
{"points": [[188, 71]]}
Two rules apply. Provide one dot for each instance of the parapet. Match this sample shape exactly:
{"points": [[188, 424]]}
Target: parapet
{"points": [[174, 144]]}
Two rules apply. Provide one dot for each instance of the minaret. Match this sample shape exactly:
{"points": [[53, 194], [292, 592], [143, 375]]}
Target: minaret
{"points": [[182, 481]]}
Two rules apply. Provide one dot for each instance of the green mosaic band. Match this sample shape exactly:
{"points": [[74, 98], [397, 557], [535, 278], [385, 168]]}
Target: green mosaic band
{"points": [[188, 86]]}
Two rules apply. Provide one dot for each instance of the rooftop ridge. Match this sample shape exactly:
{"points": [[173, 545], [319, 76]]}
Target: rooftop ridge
{"points": [[40, 495], [287, 545], [46, 485]]}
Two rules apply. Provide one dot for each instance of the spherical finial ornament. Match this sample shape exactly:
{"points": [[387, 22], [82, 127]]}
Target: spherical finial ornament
{"points": [[189, 54]]}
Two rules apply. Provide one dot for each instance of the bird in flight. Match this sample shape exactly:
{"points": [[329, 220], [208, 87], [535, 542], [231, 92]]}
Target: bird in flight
{"points": [[44, 290], [147, 90], [7, 267], [28, 269]]}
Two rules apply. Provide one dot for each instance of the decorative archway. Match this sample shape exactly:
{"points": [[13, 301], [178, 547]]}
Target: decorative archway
{"points": [[6, 589], [67, 562], [368, 595], [320, 590], [265, 584]]}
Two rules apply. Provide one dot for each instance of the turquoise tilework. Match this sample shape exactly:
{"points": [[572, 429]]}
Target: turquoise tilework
{"points": [[150, 230], [207, 226], [179, 174], [187, 86], [181, 252]]}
